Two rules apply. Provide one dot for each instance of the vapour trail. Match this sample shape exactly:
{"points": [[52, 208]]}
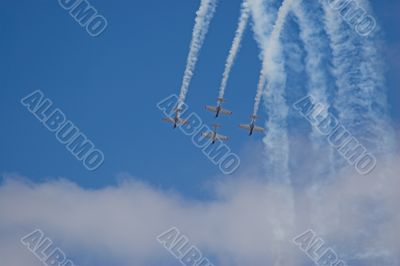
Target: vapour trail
{"points": [[267, 36], [313, 38], [361, 104], [268, 22], [203, 18], [243, 19], [273, 74], [271, 52], [311, 35], [361, 100], [264, 16]]}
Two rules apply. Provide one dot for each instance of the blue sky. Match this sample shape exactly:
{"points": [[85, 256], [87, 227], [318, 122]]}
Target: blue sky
{"points": [[109, 87]]}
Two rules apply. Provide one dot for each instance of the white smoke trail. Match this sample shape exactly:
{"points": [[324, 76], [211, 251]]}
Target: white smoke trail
{"points": [[374, 82], [243, 19], [271, 52], [273, 70], [203, 18], [311, 34], [313, 38], [267, 26], [361, 100], [361, 97], [264, 16]]}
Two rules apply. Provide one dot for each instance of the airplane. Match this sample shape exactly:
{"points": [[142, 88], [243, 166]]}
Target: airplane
{"points": [[176, 120], [252, 126], [218, 109], [214, 135]]}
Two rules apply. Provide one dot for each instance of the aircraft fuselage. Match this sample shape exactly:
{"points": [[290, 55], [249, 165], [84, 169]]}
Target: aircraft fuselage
{"points": [[176, 121], [218, 110], [252, 125]]}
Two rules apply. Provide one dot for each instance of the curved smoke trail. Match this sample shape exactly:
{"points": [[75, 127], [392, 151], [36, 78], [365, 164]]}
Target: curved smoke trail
{"points": [[203, 18], [243, 19]]}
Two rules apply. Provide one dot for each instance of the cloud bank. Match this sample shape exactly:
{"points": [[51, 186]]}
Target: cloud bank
{"points": [[250, 222]]}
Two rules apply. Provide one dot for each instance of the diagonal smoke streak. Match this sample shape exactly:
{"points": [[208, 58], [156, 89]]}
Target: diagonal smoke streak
{"points": [[203, 18], [243, 19]]}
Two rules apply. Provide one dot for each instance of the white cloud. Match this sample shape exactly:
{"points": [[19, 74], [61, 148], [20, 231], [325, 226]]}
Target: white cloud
{"points": [[250, 222]]}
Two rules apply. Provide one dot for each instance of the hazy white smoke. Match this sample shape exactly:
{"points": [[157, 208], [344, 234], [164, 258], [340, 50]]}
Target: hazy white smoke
{"points": [[273, 71], [203, 18], [311, 35], [314, 40], [243, 19], [361, 100], [272, 51], [264, 15], [268, 25]]}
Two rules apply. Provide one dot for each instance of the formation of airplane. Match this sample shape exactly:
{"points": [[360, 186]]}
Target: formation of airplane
{"points": [[218, 109], [252, 126], [176, 120], [213, 135]]}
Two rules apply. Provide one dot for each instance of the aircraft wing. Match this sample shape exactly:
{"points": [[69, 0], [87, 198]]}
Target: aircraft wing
{"points": [[221, 137], [208, 135], [168, 120], [258, 129], [226, 112], [244, 126], [211, 108], [183, 122]]}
